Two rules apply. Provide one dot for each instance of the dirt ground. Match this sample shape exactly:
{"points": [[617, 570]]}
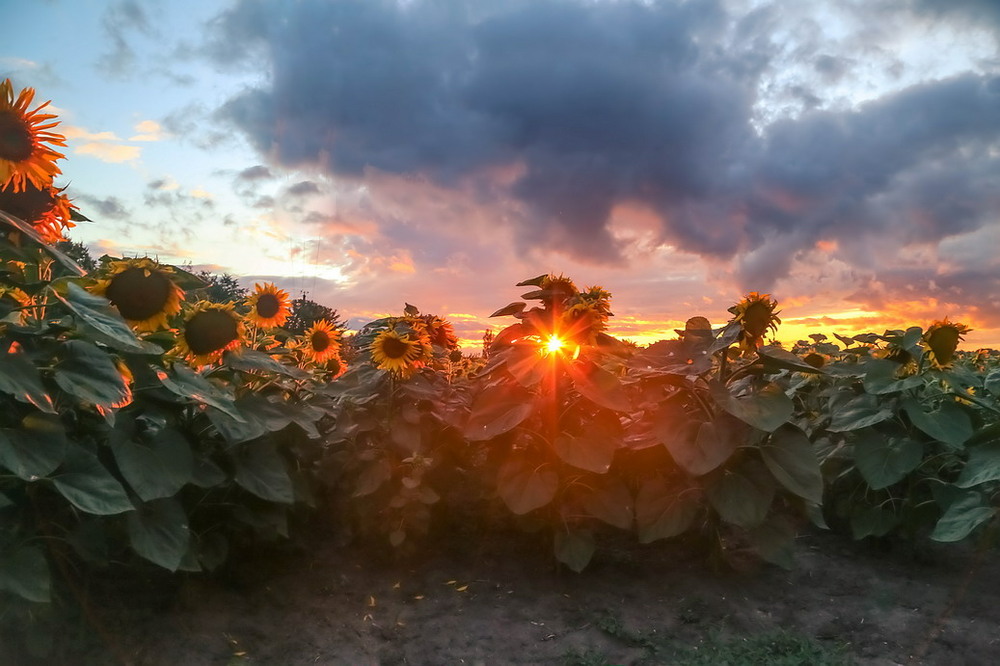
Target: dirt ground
{"points": [[506, 602]]}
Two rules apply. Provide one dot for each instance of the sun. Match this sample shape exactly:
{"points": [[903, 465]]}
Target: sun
{"points": [[554, 344]]}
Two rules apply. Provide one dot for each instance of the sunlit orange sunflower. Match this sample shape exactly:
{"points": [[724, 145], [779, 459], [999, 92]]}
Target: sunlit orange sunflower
{"points": [[208, 331], [269, 306], [335, 366], [321, 341], [599, 297], [24, 157], [942, 337], [11, 299], [46, 208], [582, 322], [439, 332], [143, 291], [757, 314], [397, 353]]}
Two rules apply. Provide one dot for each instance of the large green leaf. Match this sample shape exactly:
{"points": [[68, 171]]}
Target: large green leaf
{"points": [[158, 531], [949, 423], [883, 460], [36, 448], [235, 431], [965, 514], [880, 377], [610, 501], [663, 509], [89, 374], [19, 378], [249, 360], [25, 572], [598, 385], [992, 383], [261, 470], [496, 411], [89, 486], [527, 366], [574, 548], [777, 358], [187, 383], [157, 468], [774, 541], [765, 409], [103, 320], [594, 448], [525, 485], [856, 412], [704, 449], [983, 465], [873, 521], [790, 456], [741, 494]]}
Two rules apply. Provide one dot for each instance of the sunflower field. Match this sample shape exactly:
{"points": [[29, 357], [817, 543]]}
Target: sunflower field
{"points": [[143, 425]]}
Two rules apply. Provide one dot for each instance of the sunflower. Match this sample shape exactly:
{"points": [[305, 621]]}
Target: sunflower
{"points": [[599, 297], [46, 208], [269, 306], [756, 314], [397, 353], [321, 341], [24, 157], [209, 330], [942, 337], [143, 291], [557, 290], [438, 331], [582, 322]]}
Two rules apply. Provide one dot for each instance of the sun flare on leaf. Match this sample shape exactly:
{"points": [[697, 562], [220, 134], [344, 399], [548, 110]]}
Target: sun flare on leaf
{"points": [[24, 156]]}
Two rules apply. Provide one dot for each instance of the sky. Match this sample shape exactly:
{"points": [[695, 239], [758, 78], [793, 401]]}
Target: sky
{"points": [[843, 156]]}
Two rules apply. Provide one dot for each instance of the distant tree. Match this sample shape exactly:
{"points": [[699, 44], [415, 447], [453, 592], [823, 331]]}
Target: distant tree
{"points": [[305, 313], [79, 253], [222, 288]]}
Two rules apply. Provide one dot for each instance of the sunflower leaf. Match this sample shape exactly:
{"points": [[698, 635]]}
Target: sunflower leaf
{"points": [[100, 319]]}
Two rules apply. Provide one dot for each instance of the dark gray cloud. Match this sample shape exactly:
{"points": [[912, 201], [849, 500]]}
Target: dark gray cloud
{"points": [[96, 207], [599, 103], [119, 20], [255, 173]]}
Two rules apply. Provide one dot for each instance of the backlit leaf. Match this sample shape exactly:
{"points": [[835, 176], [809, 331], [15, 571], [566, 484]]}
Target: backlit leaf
{"points": [[663, 509], [594, 448], [97, 314], [883, 460], [598, 385], [765, 409], [704, 449], [19, 377], [574, 548], [611, 502], [741, 494], [495, 412], [88, 373], [524, 485]]}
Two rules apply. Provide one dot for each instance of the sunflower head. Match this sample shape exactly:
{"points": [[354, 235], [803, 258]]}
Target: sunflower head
{"points": [[269, 306], [598, 297], [815, 360], [399, 353], [45, 208], [144, 292], [581, 323], [942, 338], [756, 314], [437, 331], [321, 341], [557, 290], [24, 133], [208, 331]]}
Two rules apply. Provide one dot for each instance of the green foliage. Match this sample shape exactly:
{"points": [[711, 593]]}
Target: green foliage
{"points": [[306, 312]]}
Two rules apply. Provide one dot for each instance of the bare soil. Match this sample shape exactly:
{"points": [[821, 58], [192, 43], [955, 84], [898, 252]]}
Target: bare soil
{"points": [[503, 600]]}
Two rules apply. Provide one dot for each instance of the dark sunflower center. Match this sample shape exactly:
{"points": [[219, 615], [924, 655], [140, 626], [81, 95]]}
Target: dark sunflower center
{"points": [[943, 343], [16, 143], [268, 305], [756, 319], [31, 205], [209, 331], [320, 341], [139, 293], [395, 348]]}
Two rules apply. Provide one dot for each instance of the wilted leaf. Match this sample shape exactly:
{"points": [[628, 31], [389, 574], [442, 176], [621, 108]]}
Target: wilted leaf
{"points": [[525, 485], [790, 456]]}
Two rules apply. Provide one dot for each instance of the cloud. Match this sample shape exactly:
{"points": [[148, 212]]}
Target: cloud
{"points": [[109, 152], [148, 130], [96, 207], [745, 137], [119, 20]]}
